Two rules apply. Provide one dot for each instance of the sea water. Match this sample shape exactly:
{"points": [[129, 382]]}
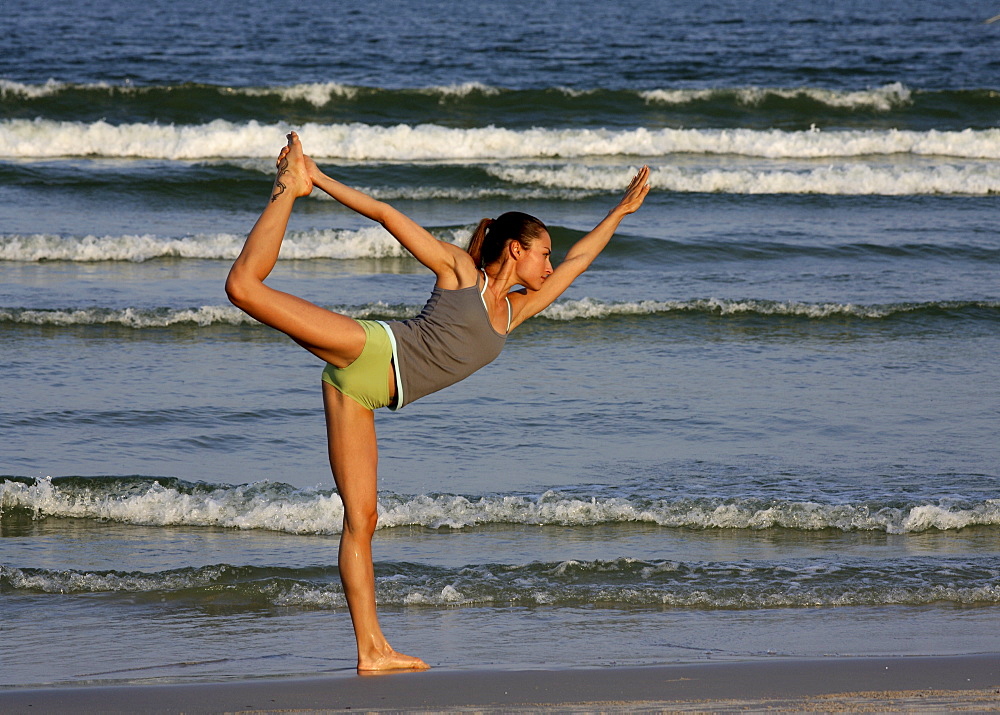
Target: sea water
{"points": [[762, 425]]}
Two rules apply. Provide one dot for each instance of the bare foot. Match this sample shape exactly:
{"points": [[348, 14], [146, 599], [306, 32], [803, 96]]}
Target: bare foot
{"points": [[390, 660], [293, 173]]}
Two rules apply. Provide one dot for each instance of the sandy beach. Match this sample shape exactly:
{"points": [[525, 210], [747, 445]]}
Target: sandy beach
{"points": [[816, 685]]}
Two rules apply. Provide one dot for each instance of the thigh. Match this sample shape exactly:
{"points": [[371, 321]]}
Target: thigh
{"points": [[335, 338], [353, 452]]}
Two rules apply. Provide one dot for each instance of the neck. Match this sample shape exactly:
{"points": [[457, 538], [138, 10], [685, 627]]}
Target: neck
{"points": [[502, 278]]}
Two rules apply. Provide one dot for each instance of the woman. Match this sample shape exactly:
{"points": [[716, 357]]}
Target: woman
{"points": [[372, 364]]}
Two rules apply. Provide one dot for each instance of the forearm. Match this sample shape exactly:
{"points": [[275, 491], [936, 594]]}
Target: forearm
{"points": [[434, 254], [590, 246], [352, 198]]}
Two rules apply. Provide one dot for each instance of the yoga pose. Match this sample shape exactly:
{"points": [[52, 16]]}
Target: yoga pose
{"points": [[373, 364]]}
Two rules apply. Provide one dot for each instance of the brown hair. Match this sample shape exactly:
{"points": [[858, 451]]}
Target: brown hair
{"points": [[492, 235]]}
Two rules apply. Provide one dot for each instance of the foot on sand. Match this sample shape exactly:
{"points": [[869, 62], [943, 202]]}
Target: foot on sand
{"points": [[293, 175], [390, 660]]}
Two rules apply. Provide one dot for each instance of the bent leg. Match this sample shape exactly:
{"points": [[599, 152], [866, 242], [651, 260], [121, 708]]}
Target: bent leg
{"points": [[354, 461], [330, 336]]}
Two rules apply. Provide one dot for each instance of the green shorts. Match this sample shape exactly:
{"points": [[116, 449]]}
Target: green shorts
{"points": [[366, 380]]}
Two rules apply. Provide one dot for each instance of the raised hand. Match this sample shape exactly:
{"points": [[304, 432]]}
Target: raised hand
{"points": [[636, 192]]}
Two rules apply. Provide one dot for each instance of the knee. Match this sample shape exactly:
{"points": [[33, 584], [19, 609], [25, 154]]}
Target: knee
{"points": [[361, 523]]}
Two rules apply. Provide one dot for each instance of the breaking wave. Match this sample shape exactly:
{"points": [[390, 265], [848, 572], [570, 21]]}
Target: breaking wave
{"points": [[44, 138], [279, 507], [853, 179], [623, 582], [369, 242], [563, 310]]}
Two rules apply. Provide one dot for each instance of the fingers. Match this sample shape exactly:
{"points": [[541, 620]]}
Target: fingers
{"points": [[639, 182], [636, 191], [640, 179]]}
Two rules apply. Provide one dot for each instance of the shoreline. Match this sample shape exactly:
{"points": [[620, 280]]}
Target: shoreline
{"points": [[893, 683]]}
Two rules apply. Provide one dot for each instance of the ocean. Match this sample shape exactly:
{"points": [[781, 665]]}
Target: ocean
{"points": [[763, 425]]}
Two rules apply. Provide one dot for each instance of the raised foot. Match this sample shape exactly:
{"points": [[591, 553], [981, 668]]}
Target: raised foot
{"points": [[293, 172], [390, 661]]}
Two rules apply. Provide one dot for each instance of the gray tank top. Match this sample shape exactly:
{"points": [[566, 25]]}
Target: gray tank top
{"points": [[450, 339]]}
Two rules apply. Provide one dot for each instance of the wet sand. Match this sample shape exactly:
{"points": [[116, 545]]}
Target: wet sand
{"points": [[832, 684]]}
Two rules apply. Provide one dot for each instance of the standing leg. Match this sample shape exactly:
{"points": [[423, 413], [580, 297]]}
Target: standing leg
{"points": [[354, 460]]}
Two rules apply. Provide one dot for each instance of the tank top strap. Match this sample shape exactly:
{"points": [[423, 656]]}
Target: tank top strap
{"points": [[486, 283]]}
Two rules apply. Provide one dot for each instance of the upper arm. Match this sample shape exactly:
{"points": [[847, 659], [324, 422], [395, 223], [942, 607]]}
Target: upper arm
{"points": [[528, 303], [451, 264]]}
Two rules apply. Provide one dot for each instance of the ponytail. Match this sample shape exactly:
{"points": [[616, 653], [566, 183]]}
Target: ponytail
{"points": [[475, 248], [492, 236]]}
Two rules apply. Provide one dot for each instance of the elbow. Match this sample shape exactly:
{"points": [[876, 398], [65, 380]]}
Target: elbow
{"points": [[385, 214]]}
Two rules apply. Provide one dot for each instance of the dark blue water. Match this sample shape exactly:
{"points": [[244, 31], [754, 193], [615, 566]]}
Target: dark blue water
{"points": [[519, 45], [762, 425]]}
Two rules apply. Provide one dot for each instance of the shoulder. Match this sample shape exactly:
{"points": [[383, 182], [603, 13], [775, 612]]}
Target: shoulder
{"points": [[461, 271]]}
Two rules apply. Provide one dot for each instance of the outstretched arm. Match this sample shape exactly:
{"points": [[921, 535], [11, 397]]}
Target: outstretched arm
{"points": [[584, 251], [452, 265]]}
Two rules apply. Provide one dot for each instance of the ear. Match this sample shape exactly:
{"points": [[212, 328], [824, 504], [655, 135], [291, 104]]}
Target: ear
{"points": [[516, 249]]}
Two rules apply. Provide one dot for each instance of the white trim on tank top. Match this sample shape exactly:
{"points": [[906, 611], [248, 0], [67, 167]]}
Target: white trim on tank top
{"points": [[486, 283]]}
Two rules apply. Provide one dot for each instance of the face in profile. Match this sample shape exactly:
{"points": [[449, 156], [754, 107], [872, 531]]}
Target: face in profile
{"points": [[534, 264]]}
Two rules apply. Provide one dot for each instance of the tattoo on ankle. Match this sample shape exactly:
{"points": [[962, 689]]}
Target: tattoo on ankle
{"points": [[279, 188]]}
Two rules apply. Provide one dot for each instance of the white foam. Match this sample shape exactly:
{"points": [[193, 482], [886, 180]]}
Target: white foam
{"points": [[431, 142], [582, 309], [590, 309], [460, 90], [883, 99], [574, 93], [240, 507], [70, 581], [367, 242], [539, 591], [935, 516], [852, 179], [318, 94], [276, 508], [50, 247], [9, 88], [301, 595], [739, 585], [474, 193], [40, 138], [203, 316], [129, 317], [552, 508]]}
